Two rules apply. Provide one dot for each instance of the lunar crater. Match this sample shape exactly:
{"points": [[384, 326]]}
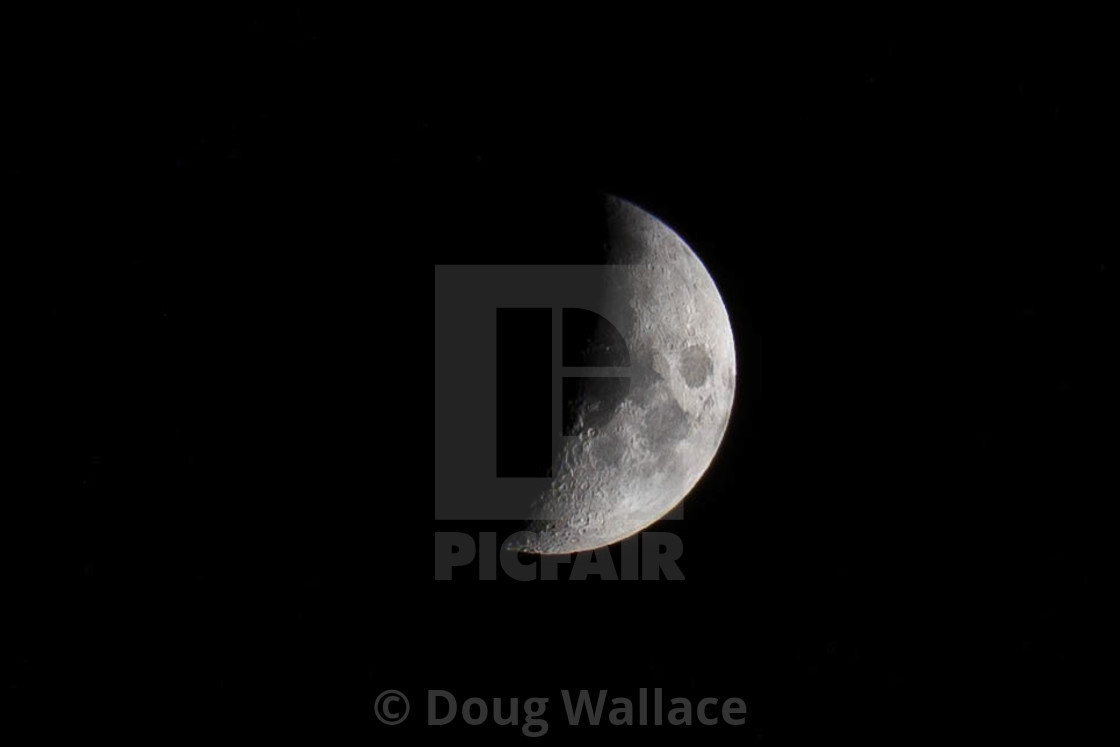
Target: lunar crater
{"points": [[695, 366]]}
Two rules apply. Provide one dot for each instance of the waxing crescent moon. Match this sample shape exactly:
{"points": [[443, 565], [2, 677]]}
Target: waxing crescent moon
{"points": [[631, 458]]}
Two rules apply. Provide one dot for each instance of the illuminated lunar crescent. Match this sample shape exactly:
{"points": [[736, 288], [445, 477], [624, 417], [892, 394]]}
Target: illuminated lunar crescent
{"points": [[633, 456]]}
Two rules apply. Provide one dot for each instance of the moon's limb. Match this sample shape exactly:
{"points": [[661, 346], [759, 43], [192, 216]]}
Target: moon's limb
{"points": [[625, 469]]}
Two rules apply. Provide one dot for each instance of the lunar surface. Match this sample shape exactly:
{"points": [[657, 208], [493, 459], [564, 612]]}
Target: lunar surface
{"points": [[634, 447]]}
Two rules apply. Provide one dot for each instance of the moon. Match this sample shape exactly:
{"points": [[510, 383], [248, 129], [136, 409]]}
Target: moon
{"points": [[637, 446]]}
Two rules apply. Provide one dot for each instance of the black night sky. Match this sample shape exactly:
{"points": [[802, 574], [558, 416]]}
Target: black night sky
{"points": [[228, 528]]}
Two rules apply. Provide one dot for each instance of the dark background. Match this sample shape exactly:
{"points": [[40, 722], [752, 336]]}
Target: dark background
{"points": [[227, 530]]}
